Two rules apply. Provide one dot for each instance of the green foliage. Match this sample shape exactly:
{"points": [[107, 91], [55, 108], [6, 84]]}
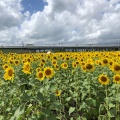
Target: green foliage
{"points": [[82, 96]]}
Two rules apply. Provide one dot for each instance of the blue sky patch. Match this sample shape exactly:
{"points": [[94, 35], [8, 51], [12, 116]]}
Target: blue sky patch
{"points": [[33, 5]]}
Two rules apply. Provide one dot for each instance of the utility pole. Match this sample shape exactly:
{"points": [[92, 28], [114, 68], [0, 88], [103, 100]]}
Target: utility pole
{"points": [[22, 43]]}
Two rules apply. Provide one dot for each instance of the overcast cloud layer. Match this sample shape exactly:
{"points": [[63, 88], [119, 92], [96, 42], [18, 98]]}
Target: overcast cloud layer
{"points": [[60, 22]]}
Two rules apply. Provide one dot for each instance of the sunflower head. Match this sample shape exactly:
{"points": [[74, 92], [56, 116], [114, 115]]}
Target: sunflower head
{"points": [[56, 67], [116, 67], [42, 65], [74, 65], [40, 75], [105, 61], [38, 69], [116, 78], [16, 62], [49, 72], [26, 68], [54, 62], [5, 66], [64, 65], [89, 67], [43, 60], [10, 61], [57, 92], [103, 79], [9, 73]]}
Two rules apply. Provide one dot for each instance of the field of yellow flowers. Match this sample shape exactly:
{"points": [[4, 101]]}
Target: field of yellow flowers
{"points": [[60, 86]]}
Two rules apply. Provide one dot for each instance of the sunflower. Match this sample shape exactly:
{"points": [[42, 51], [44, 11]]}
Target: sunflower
{"points": [[49, 72], [89, 67], [83, 68], [38, 69], [64, 65], [56, 67], [54, 57], [54, 62], [9, 73], [43, 60], [16, 62], [5, 66], [116, 78], [63, 58], [42, 64], [40, 75], [57, 93], [116, 67], [105, 61], [77, 62], [74, 65], [26, 68], [10, 61], [89, 60], [103, 79], [111, 62], [29, 59], [48, 57], [67, 58]]}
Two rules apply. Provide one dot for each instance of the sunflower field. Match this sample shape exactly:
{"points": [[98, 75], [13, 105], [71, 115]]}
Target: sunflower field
{"points": [[60, 86]]}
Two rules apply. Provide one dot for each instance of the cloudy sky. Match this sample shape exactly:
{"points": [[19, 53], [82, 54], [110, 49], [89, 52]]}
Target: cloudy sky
{"points": [[59, 22]]}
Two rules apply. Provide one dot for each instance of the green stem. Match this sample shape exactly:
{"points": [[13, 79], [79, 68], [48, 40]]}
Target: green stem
{"points": [[60, 109], [117, 103], [107, 107], [89, 81]]}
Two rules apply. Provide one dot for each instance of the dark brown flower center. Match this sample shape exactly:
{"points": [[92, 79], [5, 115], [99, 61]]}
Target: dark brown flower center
{"points": [[10, 72], [116, 67], [40, 75], [89, 66], [103, 79], [117, 78], [65, 65], [48, 72], [105, 61]]}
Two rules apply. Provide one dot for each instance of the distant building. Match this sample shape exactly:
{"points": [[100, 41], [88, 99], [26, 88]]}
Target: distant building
{"points": [[29, 45]]}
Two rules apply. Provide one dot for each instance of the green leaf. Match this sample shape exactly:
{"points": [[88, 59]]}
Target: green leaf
{"points": [[28, 110], [52, 97], [46, 111], [83, 106], [78, 118], [25, 97], [71, 118], [18, 113], [101, 108], [83, 95], [111, 113], [52, 117], [71, 110], [91, 101], [42, 117], [111, 105], [56, 105], [1, 117], [83, 118], [68, 99], [41, 89], [40, 96], [101, 117], [118, 97]]}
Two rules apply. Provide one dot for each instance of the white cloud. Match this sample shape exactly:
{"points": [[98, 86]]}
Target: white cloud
{"points": [[67, 21], [10, 13]]}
